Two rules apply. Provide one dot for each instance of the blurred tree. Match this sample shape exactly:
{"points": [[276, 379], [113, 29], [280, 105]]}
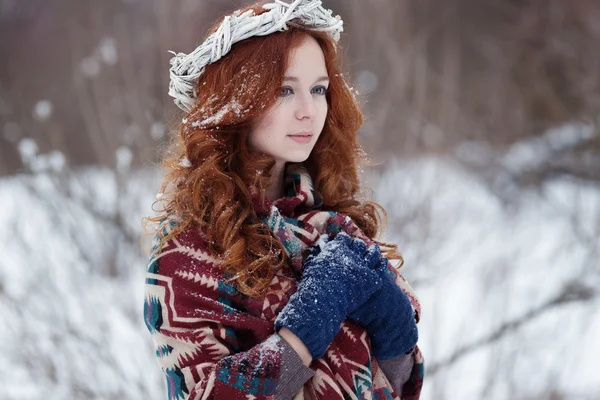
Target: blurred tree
{"points": [[88, 78]]}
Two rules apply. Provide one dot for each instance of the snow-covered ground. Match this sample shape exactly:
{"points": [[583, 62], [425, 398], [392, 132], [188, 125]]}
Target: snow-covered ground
{"points": [[71, 329], [509, 290]]}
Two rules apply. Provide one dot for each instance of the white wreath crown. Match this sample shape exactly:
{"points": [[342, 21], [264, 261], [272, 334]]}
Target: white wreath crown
{"points": [[187, 68]]}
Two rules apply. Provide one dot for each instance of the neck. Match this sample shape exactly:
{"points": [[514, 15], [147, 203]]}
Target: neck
{"points": [[275, 191]]}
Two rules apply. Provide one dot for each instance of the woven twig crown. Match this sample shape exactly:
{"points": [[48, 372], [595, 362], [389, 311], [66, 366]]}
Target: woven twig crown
{"points": [[186, 68]]}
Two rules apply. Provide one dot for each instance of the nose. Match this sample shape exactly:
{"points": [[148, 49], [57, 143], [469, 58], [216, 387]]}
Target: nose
{"points": [[305, 106]]}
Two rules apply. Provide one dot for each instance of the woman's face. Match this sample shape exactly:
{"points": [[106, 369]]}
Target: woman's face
{"points": [[289, 129]]}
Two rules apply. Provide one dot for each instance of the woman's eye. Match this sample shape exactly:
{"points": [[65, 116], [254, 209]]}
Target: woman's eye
{"points": [[320, 90], [285, 91]]}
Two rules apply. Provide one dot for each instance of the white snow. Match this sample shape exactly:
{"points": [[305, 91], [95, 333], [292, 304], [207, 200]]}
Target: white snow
{"points": [[217, 118], [43, 110], [478, 265], [107, 49], [533, 152], [53, 161], [67, 326], [185, 162], [70, 329], [28, 149], [124, 157]]}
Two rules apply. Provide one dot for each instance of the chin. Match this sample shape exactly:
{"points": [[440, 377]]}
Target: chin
{"points": [[297, 158]]}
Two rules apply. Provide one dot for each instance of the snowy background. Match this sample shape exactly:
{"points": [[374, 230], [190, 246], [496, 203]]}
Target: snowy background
{"points": [[487, 133], [509, 289]]}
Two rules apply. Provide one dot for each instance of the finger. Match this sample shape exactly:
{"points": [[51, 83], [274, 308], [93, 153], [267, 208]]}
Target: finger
{"points": [[343, 238], [373, 256], [383, 265], [359, 246]]}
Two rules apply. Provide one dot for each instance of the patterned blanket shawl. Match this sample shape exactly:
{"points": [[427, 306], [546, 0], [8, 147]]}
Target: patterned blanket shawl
{"points": [[212, 341]]}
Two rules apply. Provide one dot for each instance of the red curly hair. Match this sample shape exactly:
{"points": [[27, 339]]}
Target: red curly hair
{"points": [[210, 192]]}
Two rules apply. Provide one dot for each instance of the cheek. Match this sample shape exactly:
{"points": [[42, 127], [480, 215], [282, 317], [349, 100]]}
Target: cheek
{"points": [[273, 121], [260, 128], [322, 112], [263, 135], [258, 138]]}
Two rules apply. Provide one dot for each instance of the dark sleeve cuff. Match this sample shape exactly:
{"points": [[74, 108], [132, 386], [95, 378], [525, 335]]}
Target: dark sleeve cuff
{"points": [[398, 370], [294, 373]]}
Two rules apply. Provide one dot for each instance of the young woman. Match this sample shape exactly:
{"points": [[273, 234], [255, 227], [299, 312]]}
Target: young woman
{"points": [[265, 281]]}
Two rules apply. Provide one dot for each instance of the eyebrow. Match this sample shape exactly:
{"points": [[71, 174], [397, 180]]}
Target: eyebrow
{"points": [[294, 79]]}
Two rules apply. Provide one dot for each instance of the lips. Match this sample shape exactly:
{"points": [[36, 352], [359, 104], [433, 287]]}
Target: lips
{"points": [[301, 137], [302, 134]]}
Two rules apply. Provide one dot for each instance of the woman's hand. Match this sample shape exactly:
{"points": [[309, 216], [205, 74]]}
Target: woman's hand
{"points": [[389, 319], [335, 281]]}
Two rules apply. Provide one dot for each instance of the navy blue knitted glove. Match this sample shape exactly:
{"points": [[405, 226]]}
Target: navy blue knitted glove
{"points": [[388, 318], [335, 280]]}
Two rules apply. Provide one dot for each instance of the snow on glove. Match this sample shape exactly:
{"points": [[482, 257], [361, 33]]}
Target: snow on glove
{"points": [[335, 280], [388, 318]]}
